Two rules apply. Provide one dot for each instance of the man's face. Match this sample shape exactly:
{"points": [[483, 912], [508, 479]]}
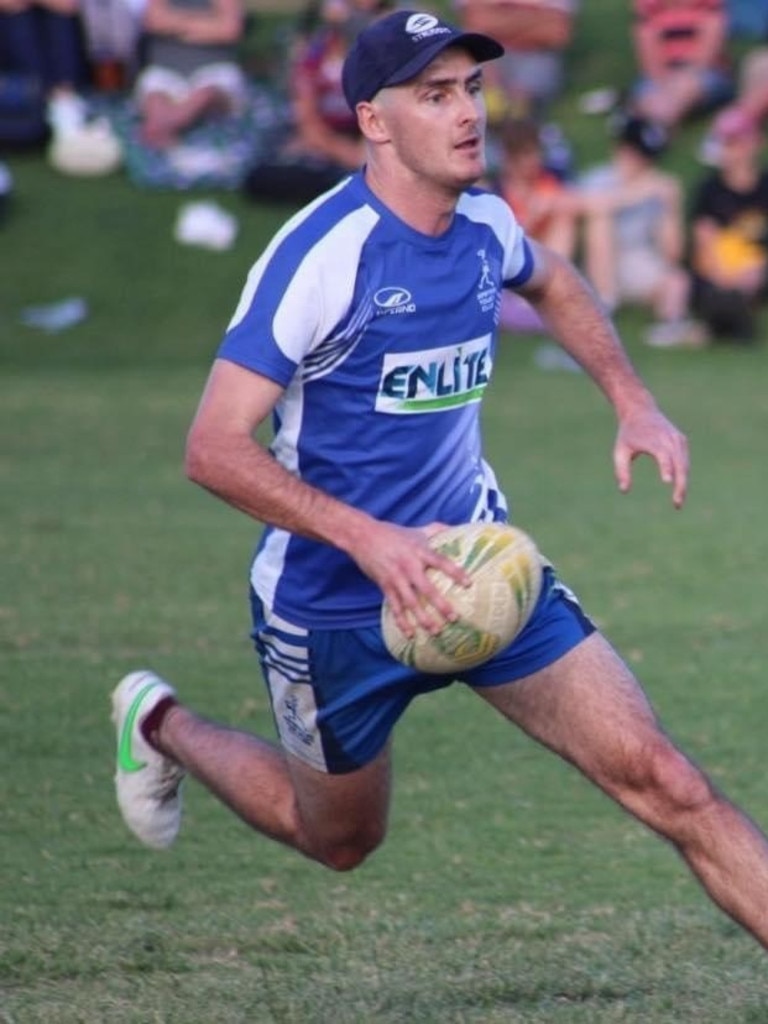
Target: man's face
{"points": [[436, 122]]}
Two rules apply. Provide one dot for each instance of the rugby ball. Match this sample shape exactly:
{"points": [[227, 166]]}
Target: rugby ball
{"points": [[505, 567]]}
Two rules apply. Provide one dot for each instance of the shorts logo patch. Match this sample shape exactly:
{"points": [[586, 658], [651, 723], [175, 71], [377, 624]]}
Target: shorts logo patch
{"points": [[293, 723]]}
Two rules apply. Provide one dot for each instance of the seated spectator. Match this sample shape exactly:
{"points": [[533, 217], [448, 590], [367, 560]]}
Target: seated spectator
{"points": [[42, 62], [535, 35], [730, 231], [543, 205], [324, 143], [680, 46], [191, 68], [634, 234]]}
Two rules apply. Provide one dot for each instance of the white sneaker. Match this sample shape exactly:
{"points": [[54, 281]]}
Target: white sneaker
{"points": [[147, 782]]}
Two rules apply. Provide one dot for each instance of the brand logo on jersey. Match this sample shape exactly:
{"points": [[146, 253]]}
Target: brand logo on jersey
{"points": [[436, 379], [487, 287], [422, 26], [393, 300]]}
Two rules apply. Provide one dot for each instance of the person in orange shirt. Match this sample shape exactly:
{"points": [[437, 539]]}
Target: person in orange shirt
{"points": [[544, 206]]}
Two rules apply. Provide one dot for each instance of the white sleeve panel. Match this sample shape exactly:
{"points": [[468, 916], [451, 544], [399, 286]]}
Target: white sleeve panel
{"points": [[490, 209], [319, 280], [320, 293]]}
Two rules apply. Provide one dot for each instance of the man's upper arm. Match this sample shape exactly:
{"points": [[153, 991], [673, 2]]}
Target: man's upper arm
{"points": [[235, 401], [543, 266]]}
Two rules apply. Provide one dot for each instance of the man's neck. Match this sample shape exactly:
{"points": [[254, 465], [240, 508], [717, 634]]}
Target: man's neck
{"points": [[422, 206]]}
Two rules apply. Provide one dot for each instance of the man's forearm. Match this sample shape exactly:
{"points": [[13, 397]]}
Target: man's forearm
{"points": [[243, 473], [576, 319]]}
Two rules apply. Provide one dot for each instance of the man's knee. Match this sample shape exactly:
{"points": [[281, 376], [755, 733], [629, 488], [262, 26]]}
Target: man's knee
{"points": [[667, 785], [344, 853]]}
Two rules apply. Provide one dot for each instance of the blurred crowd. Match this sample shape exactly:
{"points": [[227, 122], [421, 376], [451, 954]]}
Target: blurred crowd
{"points": [[696, 258]]}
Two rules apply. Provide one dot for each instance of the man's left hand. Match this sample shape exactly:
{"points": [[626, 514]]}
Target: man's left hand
{"points": [[649, 432]]}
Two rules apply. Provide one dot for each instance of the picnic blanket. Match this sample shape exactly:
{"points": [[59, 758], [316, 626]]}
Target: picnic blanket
{"points": [[215, 154]]}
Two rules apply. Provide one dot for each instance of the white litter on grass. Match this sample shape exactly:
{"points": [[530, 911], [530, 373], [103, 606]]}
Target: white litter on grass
{"points": [[205, 224], [598, 101], [55, 316]]}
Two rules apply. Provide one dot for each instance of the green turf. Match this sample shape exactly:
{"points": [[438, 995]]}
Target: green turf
{"points": [[508, 889]]}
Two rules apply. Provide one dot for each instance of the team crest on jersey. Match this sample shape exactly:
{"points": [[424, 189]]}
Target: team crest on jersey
{"points": [[391, 301], [435, 379], [487, 285]]}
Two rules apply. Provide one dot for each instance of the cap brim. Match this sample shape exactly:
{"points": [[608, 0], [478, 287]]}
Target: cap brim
{"points": [[482, 48]]}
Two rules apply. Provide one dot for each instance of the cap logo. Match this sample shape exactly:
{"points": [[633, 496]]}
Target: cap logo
{"points": [[422, 26]]}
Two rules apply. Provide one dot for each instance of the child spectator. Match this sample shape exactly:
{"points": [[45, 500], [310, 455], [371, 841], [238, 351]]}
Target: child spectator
{"points": [[535, 35], [192, 71], [634, 234], [680, 46], [543, 205], [730, 231]]}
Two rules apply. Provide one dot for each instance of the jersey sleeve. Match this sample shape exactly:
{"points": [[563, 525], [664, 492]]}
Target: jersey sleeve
{"points": [[518, 258], [297, 293], [491, 209], [276, 319]]}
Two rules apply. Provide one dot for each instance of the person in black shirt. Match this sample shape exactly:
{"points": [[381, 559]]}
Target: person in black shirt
{"points": [[730, 231]]}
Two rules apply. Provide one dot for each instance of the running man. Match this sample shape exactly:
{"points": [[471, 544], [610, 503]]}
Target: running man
{"points": [[366, 331]]}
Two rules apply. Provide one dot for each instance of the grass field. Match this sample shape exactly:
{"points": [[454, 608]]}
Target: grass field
{"points": [[508, 889]]}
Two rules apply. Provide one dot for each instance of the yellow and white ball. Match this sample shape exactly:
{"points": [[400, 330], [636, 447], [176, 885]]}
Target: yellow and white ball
{"points": [[505, 568]]}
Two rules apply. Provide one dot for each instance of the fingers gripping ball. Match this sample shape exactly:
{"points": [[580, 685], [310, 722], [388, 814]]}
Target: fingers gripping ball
{"points": [[505, 567]]}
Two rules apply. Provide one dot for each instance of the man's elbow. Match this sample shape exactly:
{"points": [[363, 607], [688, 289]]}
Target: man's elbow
{"points": [[197, 460]]}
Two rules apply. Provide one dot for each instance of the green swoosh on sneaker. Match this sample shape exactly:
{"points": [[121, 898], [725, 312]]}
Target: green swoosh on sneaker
{"points": [[125, 760]]}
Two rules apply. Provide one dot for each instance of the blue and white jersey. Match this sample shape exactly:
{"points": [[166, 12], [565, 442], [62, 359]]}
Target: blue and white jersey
{"points": [[384, 340]]}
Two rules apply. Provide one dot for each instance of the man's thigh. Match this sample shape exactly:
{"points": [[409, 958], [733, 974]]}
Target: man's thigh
{"points": [[348, 808], [336, 694], [588, 708]]}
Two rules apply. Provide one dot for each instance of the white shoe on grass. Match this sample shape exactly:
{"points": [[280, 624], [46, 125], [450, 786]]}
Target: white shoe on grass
{"points": [[147, 782]]}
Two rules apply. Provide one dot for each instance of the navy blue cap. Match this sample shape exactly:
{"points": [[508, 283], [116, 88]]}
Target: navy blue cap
{"points": [[394, 49]]}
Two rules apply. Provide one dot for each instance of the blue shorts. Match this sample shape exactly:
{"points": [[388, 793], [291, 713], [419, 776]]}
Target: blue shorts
{"points": [[336, 694]]}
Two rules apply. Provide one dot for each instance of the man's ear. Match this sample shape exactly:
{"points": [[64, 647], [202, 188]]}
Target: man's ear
{"points": [[372, 122]]}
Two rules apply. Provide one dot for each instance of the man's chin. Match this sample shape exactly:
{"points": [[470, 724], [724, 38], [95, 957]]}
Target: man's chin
{"points": [[472, 177], [473, 171]]}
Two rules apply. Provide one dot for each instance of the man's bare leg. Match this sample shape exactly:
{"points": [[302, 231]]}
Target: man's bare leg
{"points": [[589, 709], [335, 819]]}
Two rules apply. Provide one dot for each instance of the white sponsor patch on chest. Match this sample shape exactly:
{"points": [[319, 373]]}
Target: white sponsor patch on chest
{"points": [[435, 379]]}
